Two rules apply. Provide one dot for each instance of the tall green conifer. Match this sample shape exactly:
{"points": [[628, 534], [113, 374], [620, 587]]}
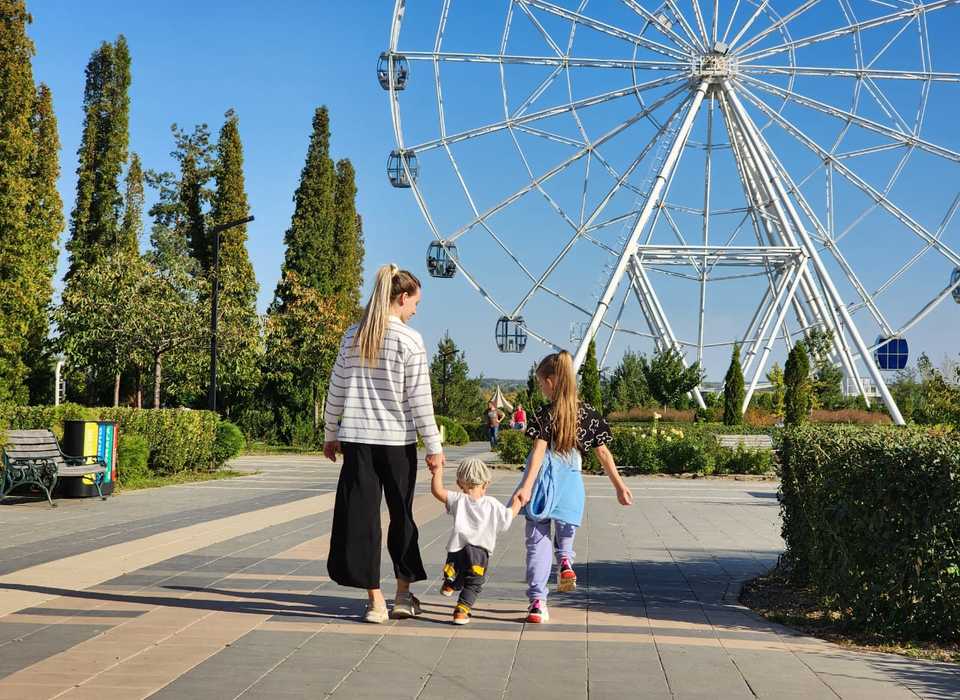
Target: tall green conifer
{"points": [[238, 301], [95, 223], [733, 390], [45, 221], [347, 238], [590, 378], [17, 95], [132, 226]]}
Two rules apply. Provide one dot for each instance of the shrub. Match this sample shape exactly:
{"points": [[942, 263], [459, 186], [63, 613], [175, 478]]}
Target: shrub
{"points": [[685, 456], [133, 456], [759, 418], [455, 433], [642, 414], [636, 449], [850, 415], [742, 460], [229, 443], [513, 447], [871, 519], [259, 425]]}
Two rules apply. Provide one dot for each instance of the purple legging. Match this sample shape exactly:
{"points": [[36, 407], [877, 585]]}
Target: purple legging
{"points": [[540, 551]]}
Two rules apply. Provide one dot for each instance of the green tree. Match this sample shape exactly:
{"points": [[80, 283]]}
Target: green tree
{"points": [[17, 148], [590, 378], [627, 387], [132, 225], [775, 377], [667, 378], [347, 238], [240, 351], [95, 223], [311, 251], [455, 394], [827, 378], [310, 267], [45, 224], [733, 390], [796, 379]]}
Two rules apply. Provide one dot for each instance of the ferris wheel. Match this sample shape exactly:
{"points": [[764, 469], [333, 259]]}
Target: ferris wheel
{"points": [[690, 174]]}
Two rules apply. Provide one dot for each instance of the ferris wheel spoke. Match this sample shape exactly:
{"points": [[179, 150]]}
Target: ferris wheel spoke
{"points": [[543, 32], [550, 136], [698, 15], [685, 25], [604, 28], [534, 60], [618, 129], [749, 23], [779, 24], [839, 166], [547, 113], [600, 207], [878, 74], [733, 16], [853, 28], [902, 138], [886, 106], [536, 93], [659, 24]]}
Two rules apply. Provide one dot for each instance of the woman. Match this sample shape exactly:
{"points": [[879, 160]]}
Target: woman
{"points": [[519, 418], [379, 398]]}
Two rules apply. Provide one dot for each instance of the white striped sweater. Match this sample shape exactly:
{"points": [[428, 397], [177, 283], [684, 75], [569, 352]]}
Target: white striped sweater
{"points": [[386, 404]]}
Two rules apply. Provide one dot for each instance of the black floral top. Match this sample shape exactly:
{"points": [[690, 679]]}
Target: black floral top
{"points": [[592, 428]]}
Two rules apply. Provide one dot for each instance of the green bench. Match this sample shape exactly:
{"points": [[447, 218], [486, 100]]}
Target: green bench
{"points": [[34, 457]]}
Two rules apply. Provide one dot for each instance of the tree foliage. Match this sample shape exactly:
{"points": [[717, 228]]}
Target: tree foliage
{"points": [[733, 390], [590, 378], [17, 98], [455, 394], [667, 378], [778, 388], [627, 387], [95, 223], [133, 199], [826, 377], [796, 379], [347, 238]]}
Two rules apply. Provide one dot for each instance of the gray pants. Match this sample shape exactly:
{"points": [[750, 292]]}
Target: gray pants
{"points": [[465, 571]]}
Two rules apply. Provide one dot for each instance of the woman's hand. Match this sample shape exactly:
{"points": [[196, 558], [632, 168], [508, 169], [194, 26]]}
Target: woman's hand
{"points": [[435, 461], [624, 495], [330, 450]]}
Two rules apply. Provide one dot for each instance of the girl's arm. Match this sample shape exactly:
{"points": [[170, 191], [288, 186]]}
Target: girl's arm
{"points": [[333, 407], [624, 495], [436, 485], [533, 468]]}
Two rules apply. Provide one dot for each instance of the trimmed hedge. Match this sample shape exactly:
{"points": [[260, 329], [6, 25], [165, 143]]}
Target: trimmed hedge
{"points": [[455, 433], [871, 519], [513, 446], [179, 439], [229, 442], [133, 455]]}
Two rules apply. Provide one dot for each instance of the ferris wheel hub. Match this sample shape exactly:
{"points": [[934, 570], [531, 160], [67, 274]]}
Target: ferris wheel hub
{"points": [[715, 65]]}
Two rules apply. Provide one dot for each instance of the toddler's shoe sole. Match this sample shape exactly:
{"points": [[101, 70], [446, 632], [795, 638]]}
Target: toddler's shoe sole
{"points": [[464, 620], [446, 592]]}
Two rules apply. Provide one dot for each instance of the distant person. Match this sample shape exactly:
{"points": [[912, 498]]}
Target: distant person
{"points": [[379, 398], [494, 418], [477, 520], [519, 418], [552, 485]]}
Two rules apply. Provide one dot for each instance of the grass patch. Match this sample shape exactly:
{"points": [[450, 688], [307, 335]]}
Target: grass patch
{"points": [[184, 477], [775, 598], [263, 448]]}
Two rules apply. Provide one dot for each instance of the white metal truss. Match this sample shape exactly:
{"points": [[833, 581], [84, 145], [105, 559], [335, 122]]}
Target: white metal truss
{"points": [[726, 81]]}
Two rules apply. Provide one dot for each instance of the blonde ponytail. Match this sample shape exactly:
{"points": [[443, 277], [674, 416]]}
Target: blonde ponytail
{"points": [[390, 283], [564, 408]]}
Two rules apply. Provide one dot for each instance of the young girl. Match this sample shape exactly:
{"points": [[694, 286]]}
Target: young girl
{"points": [[562, 431]]}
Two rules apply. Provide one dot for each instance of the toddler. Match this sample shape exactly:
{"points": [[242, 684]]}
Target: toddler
{"points": [[477, 519]]}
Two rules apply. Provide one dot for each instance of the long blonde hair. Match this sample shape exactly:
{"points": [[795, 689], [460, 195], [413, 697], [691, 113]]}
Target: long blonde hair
{"points": [[564, 407], [391, 283]]}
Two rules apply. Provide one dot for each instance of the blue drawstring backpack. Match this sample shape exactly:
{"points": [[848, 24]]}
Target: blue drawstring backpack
{"points": [[558, 492]]}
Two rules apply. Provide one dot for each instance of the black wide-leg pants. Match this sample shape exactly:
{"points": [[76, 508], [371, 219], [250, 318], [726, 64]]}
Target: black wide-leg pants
{"points": [[370, 472]]}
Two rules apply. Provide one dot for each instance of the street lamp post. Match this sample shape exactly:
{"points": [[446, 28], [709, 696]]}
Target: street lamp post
{"points": [[215, 304]]}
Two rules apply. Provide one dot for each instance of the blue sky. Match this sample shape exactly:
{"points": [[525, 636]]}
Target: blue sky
{"points": [[274, 64]]}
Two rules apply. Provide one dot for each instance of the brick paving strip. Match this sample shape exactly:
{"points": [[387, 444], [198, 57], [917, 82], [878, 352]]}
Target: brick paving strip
{"points": [[238, 607]]}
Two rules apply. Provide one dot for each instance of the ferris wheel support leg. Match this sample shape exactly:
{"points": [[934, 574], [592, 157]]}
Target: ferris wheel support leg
{"points": [[836, 300], [779, 297], [796, 277], [656, 193], [646, 294]]}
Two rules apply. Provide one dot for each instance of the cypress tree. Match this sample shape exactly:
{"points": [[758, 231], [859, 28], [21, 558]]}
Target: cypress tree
{"points": [[733, 390], [240, 327], [17, 96], [45, 221], [95, 222], [590, 378], [133, 199], [310, 240], [796, 378], [347, 238]]}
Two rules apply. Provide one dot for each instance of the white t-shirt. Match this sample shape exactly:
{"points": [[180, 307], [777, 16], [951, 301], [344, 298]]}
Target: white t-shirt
{"points": [[476, 522]]}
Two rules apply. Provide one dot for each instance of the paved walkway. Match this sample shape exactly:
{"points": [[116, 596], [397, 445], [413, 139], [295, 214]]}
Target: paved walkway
{"points": [[219, 590]]}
